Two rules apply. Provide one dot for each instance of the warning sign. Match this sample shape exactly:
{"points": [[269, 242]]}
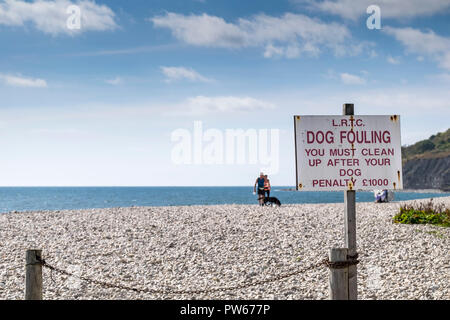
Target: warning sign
{"points": [[348, 152]]}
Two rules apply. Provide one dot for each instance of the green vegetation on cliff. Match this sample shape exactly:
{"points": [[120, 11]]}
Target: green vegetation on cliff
{"points": [[437, 146]]}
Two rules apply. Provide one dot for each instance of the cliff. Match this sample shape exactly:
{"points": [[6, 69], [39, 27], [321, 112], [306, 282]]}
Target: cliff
{"points": [[426, 164]]}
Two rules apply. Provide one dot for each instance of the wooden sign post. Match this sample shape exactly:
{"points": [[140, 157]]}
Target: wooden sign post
{"points": [[350, 226]]}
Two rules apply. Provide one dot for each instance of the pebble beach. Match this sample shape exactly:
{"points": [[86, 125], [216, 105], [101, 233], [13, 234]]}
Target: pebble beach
{"points": [[201, 247]]}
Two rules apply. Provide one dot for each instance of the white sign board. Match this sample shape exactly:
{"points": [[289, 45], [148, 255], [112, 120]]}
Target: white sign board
{"points": [[348, 153]]}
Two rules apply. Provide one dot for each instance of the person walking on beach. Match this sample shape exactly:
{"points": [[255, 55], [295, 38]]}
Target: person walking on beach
{"points": [[260, 182], [267, 186]]}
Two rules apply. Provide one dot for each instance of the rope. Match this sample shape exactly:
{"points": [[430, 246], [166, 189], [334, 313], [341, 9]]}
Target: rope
{"points": [[351, 260], [169, 291]]}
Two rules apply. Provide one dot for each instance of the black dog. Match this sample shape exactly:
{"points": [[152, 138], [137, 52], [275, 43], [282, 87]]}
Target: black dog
{"points": [[270, 201]]}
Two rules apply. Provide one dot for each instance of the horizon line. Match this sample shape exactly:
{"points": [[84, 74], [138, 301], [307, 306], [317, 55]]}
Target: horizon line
{"points": [[131, 186]]}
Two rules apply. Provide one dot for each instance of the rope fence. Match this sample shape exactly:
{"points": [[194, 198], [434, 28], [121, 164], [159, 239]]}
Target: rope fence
{"points": [[37, 263]]}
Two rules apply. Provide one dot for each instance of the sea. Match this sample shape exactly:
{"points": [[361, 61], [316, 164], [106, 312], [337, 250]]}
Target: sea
{"points": [[61, 198]]}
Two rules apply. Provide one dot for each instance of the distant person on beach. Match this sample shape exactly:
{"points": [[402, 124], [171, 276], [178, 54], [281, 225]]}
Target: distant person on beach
{"points": [[260, 182], [381, 196], [267, 186]]}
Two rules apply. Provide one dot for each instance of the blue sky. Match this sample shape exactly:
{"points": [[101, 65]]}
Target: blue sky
{"points": [[98, 105]]}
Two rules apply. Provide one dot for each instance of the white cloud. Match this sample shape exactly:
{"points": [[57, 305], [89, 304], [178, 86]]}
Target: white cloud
{"points": [[431, 102], [201, 105], [393, 60], [351, 9], [66, 132], [291, 51], [116, 81], [423, 44], [272, 51], [20, 81], [365, 72], [101, 111], [330, 75], [180, 73], [442, 77], [373, 54], [289, 35], [445, 61], [420, 42], [348, 78], [50, 16], [124, 51]]}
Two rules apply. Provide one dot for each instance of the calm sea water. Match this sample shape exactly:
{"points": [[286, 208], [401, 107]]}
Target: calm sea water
{"points": [[59, 198]]}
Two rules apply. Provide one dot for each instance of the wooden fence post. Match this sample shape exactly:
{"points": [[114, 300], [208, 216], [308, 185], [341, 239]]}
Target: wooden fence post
{"points": [[33, 278], [350, 224], [338, 276]]}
